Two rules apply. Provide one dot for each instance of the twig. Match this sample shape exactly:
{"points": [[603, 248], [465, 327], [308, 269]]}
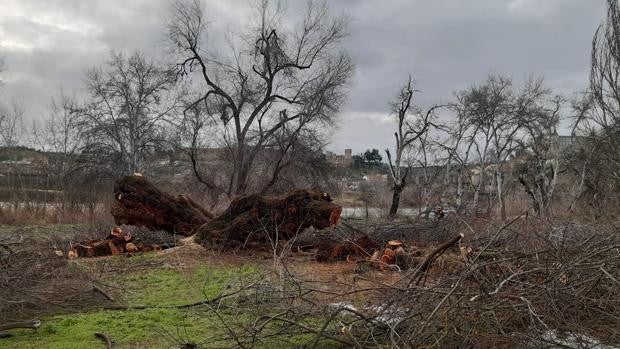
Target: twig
{"points": [[105, 338], [103, 293], [309, 329], [421, 270]]}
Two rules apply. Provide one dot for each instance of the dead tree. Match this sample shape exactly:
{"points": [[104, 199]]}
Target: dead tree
{"points": [[600, 124], [408, 131], [294, 80], [605, 71]]}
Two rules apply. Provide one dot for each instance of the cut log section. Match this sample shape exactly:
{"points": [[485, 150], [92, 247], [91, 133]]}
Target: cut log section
{"points": [[117, 242], [138, 202], [330, 251]]}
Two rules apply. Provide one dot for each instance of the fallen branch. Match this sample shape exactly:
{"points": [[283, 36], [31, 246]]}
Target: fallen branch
{"points": [[428, 261], [182, 306], [105, 338], [309, 329], [33, 324], [102, 292]]}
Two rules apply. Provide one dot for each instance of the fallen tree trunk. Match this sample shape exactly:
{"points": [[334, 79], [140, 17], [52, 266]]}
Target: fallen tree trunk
{"points": [[259, 219], [138, 202], [251, 218]]}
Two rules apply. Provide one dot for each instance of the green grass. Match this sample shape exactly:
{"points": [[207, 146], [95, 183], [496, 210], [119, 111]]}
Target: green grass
{"points": [[156, 327], [164, 287], [151, 280], [146, 328]]}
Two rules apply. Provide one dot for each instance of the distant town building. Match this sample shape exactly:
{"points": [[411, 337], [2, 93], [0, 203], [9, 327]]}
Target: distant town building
{"points": [[340, 160]]}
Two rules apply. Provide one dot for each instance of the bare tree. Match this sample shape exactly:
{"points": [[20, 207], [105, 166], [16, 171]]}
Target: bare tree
{"points": [[11, 124], [605, 70], [61, 136], [280, 79], [412, 125], [539, 173], [129, 102], [496, 114], [455, 139], [600, 121]]}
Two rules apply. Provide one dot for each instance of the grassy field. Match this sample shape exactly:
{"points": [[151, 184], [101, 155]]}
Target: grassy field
{"points": [[152, 290]]}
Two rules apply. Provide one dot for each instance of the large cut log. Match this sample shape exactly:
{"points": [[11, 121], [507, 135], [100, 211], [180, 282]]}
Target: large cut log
{"points": [[259, 219], [138, 202], [251, 218]]}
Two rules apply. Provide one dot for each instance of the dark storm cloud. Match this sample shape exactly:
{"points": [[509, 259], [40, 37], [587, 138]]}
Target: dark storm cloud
{"points": [[444, 44], [449, 44]]}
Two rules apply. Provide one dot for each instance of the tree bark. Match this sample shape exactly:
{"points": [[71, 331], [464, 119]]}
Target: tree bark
{"points": [[138, 202], [250, 218], [259, 219], [500, 196], [395, 199]]}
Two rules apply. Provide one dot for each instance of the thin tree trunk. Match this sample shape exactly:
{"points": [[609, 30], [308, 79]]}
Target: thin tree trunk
{"points": [[500, 197], [459, 190], [395, 199]]}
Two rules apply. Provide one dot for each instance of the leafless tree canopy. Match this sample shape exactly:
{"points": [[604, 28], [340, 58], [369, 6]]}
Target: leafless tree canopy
{"points": [[493, 117], [278, 85], [129, 102], [413, 125], [605, 69], [11, 123]]}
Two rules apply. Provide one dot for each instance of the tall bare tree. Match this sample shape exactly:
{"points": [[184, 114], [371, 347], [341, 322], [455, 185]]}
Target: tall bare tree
{"points": [[539, 173], [496, 114], [605, 69], [60, 134], [124, 117], [11, 124], [279, 77], [597, 119], [413, 124]]}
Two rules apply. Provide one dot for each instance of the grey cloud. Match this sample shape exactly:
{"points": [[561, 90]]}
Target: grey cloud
{"points": [[445, 44]]}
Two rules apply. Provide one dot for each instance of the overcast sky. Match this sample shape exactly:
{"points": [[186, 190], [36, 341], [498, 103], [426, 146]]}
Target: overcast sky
{"points": [[444, 44]]}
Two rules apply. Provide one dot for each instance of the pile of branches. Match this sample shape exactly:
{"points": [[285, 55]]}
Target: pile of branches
{"points": [[520, 284], [34, 280]]}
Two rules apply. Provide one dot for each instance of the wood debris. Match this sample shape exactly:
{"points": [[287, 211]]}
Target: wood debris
{"points": [[117, 242]]}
